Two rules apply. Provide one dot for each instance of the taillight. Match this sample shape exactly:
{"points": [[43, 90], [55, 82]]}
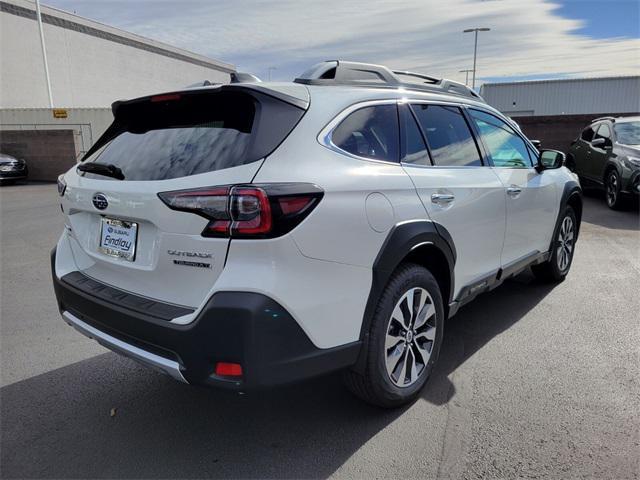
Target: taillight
{"points": [[248, 211]]}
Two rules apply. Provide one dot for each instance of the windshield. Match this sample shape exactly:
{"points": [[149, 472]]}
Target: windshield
{"points": [[628, 133]]}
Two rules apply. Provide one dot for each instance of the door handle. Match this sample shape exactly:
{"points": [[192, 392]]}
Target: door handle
{"points": [[514, 191], [442, 198]]}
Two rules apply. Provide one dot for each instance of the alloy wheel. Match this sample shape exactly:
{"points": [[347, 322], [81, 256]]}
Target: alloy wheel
{"points": [[612, 189], [410, 337], [565, 243]]}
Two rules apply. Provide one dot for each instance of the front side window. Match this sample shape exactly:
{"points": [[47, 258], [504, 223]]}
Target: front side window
{"points": [[370, 132], [506, 148], [448, 135], [603, 132]]}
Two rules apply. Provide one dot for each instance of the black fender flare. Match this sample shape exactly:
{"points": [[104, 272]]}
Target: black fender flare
{"points": [[402, 239], [571, 192]]}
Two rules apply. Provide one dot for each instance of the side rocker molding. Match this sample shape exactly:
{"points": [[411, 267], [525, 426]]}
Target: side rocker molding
{"points": [[403, 238]]}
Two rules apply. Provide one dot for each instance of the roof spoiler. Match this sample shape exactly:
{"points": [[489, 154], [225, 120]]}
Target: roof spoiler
{"points": [[339, 72]]}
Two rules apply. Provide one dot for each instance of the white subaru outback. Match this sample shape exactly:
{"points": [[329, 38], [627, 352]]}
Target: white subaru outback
{"points": [[252, 234]]}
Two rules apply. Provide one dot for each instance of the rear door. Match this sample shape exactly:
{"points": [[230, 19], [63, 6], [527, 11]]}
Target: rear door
{"points": [[531, 197], [122, 233], [458, 192]]}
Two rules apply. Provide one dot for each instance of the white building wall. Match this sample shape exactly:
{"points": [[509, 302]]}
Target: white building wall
{"points": [[87, 71], [88, 124], [565, 97]]}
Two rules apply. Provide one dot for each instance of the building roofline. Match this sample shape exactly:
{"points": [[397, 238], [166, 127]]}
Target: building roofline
{"points": [[71, 21], [559, 80]]}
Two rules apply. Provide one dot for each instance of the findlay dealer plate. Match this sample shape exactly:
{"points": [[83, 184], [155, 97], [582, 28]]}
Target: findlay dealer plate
{"points": [[118, 238]]}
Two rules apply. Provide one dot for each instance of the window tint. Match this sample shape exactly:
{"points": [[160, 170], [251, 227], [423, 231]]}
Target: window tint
{"points": [[506, 148], [414, 150], [587, 134], [370, 132], [450, 140], [192, 134]]}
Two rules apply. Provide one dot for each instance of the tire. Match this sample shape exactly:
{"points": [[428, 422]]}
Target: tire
{"points": [[613, 196], [571, 163], [557, 267], [388, 337]]}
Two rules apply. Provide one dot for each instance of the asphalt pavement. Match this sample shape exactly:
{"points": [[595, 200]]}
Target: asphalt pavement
{"points": [[534, 381]]}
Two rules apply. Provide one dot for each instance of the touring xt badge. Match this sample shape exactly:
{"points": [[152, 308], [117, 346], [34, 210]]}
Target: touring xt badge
{"points": [[192, 255]]}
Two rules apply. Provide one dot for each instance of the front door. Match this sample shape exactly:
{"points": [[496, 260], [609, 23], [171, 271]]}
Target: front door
{"points": [[531, 197]]}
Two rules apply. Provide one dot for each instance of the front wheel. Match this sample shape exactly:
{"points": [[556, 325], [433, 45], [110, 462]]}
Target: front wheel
{"points": [[404, 340], [556, 268]]}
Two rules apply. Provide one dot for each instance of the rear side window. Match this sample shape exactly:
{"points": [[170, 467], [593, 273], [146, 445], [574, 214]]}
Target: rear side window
{"points": [[448, 135], [506, 148], [179, 135], [370, 132], [414, 150]]}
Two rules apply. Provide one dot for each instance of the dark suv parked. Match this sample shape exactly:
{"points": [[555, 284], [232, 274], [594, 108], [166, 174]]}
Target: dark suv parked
{"points": [[607, 155]]}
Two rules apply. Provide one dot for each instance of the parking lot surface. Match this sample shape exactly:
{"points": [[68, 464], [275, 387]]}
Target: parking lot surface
{"points": [[534, 381]]}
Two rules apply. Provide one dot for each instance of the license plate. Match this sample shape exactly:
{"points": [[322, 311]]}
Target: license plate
{"points": [[118, 238]]}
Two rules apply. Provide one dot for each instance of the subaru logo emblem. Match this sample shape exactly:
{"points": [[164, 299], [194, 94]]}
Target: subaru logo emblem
{"points": [[100, 201]]}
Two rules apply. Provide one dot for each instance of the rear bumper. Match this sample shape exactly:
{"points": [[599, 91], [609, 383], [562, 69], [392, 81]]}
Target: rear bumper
{"points": [[240, 327]]}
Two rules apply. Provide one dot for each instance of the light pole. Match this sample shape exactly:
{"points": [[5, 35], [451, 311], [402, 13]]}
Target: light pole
{"points": [[475, 49], [44, 53], [466, 76], [269, 71]]}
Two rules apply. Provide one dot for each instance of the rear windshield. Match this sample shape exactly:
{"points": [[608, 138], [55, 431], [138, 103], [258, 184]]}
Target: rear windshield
{"points": [[171, 136]]}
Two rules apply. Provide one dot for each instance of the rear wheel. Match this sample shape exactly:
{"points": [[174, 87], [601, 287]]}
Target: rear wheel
{"points": [[404, 341], [612, 190], [556, 268]]}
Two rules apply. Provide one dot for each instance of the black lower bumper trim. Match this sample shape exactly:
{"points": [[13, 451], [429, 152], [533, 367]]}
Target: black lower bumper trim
{"points": [[240, 327]]}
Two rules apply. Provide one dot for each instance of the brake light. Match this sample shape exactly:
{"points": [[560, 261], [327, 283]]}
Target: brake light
{"points": [[225, 369], [247, 211], [250, 211], [168, 97]]}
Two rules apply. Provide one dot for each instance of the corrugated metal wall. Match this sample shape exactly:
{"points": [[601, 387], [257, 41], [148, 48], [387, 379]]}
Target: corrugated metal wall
{"points": [[565, 97]]}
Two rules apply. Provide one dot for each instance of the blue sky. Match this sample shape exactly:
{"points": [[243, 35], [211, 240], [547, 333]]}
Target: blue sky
{"points": [[529, 39], [604, 18]]}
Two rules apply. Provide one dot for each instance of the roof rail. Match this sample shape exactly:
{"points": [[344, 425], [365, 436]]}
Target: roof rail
{"points": [[613, 119], [339, 72]]}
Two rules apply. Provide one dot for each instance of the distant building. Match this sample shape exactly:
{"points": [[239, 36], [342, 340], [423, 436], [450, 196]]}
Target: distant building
{"points": [[91, 65], [554, 111], [574, 96]]}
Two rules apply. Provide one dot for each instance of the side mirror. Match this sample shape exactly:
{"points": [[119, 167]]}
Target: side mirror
{"points": [[598, 142], [537, 144], [549, 160]]}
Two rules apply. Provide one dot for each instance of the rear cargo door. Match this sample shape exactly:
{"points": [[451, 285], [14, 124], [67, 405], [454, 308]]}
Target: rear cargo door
{"points": [[122, 233]]}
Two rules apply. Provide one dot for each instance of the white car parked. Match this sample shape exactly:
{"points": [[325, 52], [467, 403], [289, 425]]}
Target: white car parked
{"points": [[252, 234]]}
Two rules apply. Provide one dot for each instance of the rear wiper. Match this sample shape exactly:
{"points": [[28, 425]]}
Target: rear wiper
{"points": [[106, 169]]}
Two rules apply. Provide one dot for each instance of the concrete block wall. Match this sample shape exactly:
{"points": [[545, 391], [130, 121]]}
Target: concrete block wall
{"points": [[48, 153]]}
